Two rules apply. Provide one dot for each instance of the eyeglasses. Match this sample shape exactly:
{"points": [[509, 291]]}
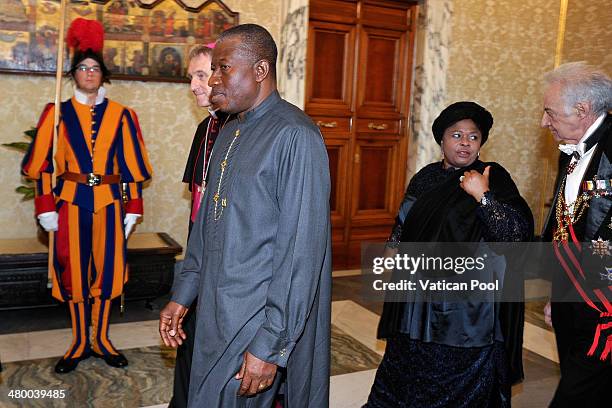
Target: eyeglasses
{"points": [[85, 68]]}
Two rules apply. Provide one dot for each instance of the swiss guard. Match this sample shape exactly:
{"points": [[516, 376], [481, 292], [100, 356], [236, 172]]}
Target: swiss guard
{"points": [[99, 148]]}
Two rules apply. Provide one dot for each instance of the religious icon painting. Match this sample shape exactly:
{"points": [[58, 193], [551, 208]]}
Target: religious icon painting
{"points": [[144, 39]]}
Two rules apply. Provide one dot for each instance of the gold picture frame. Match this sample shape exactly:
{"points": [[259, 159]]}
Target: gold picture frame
{"points": [[145, 40]]}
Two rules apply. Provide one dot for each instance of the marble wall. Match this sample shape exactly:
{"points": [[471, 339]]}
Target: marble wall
{"points": [[429, 88], [292, 51], [168, 117]]}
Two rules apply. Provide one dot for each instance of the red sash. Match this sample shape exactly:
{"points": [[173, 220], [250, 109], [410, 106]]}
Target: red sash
{"points": [[602, 342]]}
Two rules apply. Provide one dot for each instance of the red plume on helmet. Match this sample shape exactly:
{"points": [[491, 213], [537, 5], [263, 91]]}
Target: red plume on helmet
{"points": [[85, 38], [85, 35]]}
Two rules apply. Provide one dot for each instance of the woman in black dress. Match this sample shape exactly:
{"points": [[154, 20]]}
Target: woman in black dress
{"points": [[459, 199]]}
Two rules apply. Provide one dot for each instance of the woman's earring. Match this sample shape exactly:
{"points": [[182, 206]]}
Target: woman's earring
{"points": [[478, 154]]}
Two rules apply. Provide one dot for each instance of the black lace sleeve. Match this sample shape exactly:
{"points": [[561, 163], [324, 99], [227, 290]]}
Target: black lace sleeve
{"points": [[503, 222], [396, 233], [426, 178]]}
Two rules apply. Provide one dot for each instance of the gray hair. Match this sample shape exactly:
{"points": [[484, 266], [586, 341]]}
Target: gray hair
{"points": [[581, 82], [200, 50]]}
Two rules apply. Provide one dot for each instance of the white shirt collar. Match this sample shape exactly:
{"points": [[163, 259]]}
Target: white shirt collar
{"points": [[81, 96], [592, 128], [212, 113]]}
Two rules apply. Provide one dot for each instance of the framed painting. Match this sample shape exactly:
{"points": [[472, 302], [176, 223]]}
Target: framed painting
{"points": [[145, 40]]}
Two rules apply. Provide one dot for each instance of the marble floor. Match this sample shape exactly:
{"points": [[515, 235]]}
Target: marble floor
{"points": [[32, 340]]}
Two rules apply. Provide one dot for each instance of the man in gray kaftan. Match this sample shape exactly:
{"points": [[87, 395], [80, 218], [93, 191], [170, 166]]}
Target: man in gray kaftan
{"points": [[259, 255]]}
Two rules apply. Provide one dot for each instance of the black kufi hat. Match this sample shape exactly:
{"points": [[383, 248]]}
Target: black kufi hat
{"points": [[459, 111]]}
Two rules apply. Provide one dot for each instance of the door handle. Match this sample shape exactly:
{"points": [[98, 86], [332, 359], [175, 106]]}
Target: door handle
{"points": [[374, 126], [327, 124]]}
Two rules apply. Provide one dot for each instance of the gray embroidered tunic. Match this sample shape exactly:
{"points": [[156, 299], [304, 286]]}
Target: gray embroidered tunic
{"points": [[259, 258]]}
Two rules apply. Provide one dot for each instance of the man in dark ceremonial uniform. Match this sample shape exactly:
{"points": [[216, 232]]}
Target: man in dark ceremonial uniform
{"points": [[577, 100]]}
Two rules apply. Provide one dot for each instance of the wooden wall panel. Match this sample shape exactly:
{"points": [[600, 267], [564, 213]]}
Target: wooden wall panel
{"points": [[330, 68]]}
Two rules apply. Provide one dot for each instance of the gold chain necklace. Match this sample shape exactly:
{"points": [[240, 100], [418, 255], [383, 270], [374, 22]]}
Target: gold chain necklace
{"points": [[217, 195], [564, 217]]}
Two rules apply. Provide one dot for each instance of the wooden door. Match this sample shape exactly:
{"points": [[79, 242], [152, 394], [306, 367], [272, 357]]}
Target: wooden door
{"points": [[329, 101], [358, 87], [337, 135]]}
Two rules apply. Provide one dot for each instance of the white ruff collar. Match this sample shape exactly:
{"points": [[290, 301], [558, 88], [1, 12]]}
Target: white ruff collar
{"points": [[81, 96]]}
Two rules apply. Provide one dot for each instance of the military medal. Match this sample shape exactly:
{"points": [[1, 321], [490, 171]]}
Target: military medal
{"points": [[600, 247], [607, 276]]}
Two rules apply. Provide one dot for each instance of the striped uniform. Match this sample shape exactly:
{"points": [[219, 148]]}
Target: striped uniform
{"points": [[89, 251]]}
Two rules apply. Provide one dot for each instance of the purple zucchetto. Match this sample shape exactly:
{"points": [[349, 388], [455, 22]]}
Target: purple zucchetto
{"points": [[463, 110]]}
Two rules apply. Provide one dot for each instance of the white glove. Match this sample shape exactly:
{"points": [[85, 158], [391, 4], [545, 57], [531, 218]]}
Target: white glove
{"points": [[48, 220], [547, 314], [129, 222]]}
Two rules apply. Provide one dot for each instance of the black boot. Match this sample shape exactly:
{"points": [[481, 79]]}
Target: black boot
{"points": [[66, 365]]}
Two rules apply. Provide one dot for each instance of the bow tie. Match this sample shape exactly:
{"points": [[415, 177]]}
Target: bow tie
{"points": [[575, 150], [578, 150]]}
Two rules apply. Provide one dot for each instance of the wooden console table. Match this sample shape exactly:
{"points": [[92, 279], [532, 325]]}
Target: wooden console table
{"points": [[23, 269]]}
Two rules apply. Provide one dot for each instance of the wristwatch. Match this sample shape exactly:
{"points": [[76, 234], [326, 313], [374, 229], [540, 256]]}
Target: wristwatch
{"points": [[486, 199]]}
